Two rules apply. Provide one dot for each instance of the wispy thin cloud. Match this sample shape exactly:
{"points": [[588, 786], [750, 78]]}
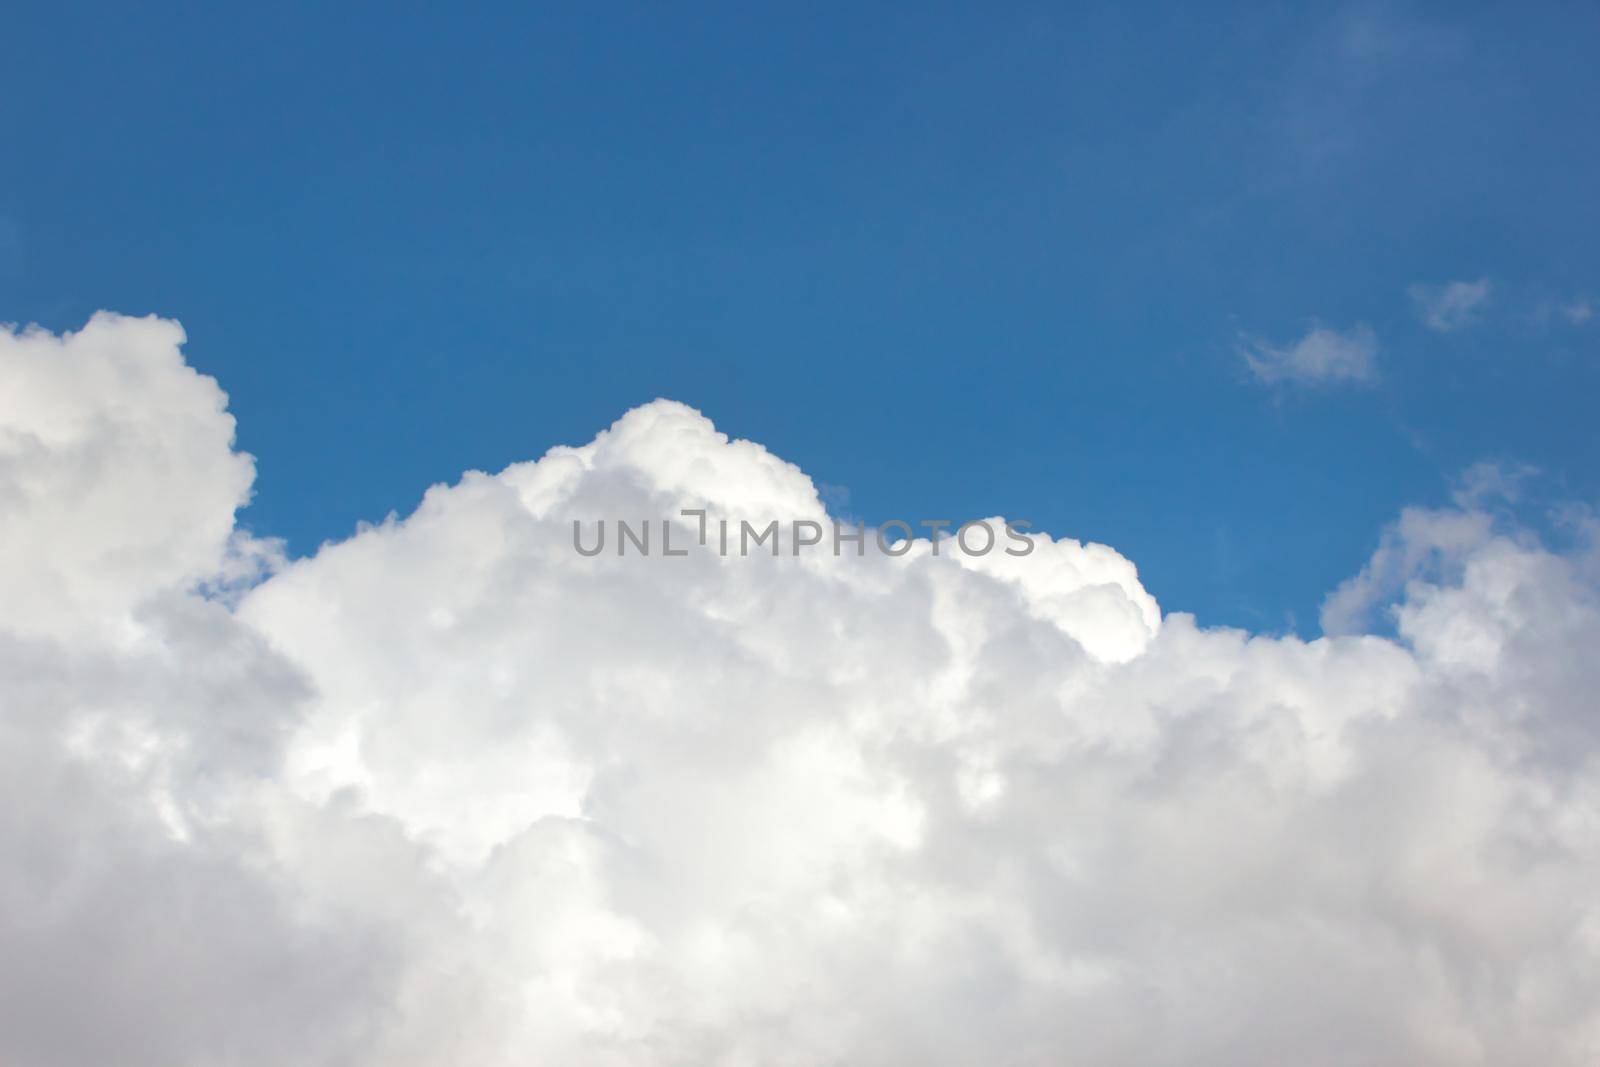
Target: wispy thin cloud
{"points": [[1452, 306], [1324, 356], [1552, 311]]}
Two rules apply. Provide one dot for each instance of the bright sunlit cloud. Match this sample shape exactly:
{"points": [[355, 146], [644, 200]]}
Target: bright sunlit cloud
{"points": [[449, 792]]}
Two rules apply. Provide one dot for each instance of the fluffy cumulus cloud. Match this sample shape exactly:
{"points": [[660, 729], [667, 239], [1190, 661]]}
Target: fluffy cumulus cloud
{"points": [[1452, 306], [1322, 357], [450, 792]]}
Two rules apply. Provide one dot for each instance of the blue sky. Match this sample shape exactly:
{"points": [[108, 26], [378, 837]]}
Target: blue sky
{"points": [[957, 260]]}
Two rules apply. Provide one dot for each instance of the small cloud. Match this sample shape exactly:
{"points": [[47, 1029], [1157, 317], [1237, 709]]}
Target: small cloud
{"points": [[1578, 312], [1323, 356], [1574, 311], [1488, 481], [1452, 306]]}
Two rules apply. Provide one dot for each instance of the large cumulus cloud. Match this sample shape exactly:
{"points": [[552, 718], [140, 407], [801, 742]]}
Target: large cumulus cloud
{"points": [[449, 792]]}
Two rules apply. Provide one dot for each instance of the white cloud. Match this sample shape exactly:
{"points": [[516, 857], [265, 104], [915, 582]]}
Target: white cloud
{"points": [[1452, 306], [450, 793], [1322, 357]]}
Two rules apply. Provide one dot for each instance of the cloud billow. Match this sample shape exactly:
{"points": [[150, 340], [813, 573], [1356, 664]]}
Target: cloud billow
{"points": [[448, 792]]}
